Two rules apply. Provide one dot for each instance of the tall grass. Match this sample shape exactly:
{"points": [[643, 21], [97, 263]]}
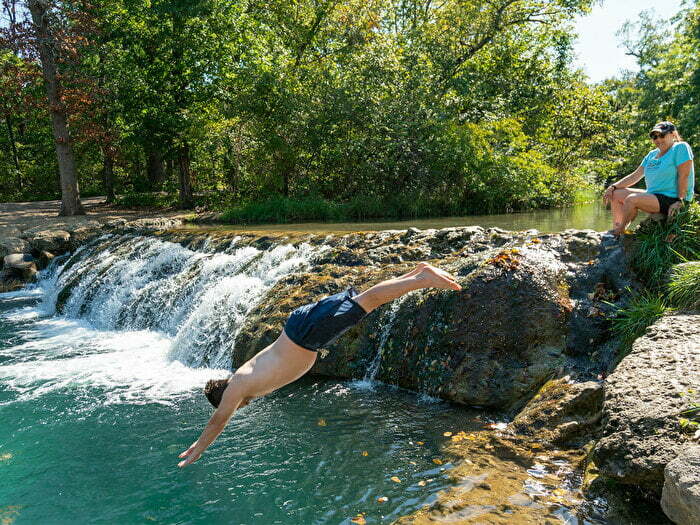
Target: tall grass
{"points": [[660, 245], [642, 311], [684, 286]]}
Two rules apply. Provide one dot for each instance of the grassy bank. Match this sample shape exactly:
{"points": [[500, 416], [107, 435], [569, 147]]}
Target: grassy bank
{"points": [[283, 210], [666, 258]]}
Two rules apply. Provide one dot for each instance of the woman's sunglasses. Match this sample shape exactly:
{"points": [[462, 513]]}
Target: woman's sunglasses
{"points": [[654, 136]]}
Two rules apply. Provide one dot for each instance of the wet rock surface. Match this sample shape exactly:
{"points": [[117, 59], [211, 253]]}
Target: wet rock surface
{"points": [[681, 492], [512, 327], [563, 413], [643, 399]]}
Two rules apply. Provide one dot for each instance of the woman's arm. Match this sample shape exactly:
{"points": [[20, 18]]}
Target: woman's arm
{"points": [[625, 182], [683, 174]]}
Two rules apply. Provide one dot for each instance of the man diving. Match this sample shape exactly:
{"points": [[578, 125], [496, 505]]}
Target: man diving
{"points": [[308, 329]]}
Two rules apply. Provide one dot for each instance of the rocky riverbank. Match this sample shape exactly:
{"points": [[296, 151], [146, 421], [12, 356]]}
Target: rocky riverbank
{"points": [[528, 335]]}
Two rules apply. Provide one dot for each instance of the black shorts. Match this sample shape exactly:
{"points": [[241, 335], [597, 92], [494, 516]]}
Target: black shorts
{"points": [[316, 325], [665, 202]]}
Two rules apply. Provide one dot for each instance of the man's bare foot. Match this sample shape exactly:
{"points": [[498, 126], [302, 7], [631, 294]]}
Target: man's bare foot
{"points": [[437, 278]]}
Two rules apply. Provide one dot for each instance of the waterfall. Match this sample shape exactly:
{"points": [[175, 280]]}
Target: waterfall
{"points": [[387, 323], [197, 298]]}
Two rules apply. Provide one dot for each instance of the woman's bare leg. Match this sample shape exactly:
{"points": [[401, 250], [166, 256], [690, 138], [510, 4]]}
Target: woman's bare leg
{"points": [[617, 204]]}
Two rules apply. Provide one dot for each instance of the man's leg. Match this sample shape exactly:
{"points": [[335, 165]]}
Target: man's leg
{"points": [[423, 276], [632, 204]]}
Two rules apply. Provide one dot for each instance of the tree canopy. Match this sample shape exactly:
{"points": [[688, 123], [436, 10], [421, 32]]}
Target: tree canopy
{"points": [[398, 106]]}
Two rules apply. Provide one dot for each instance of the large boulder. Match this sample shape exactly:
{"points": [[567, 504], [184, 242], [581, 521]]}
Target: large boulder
{"points": [[54, 241], [681, 492], [19, 265], [643, 397], [492, 344], [10, 245]]}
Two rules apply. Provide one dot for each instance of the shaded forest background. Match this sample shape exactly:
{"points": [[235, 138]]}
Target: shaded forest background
{"points": [[321, 109]]}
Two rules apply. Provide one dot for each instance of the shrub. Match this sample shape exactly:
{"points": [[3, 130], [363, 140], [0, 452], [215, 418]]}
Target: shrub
{"points": [[641, 312], [660, 245], [684, 286]]}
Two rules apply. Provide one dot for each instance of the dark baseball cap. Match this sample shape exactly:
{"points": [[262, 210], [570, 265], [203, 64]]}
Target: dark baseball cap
{"points": [[663, 127]]}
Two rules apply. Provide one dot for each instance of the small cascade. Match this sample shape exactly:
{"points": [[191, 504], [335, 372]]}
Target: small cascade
{"points": [[197, 298], [387, 324]]}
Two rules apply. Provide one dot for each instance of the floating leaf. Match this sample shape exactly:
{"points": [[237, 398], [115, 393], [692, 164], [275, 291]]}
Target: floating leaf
{"points": [[382, 499], [365, 453], [421, 483], [437, 461], [359, 519], [322, 422], [5, 457], [420, 443], [395, 479]]}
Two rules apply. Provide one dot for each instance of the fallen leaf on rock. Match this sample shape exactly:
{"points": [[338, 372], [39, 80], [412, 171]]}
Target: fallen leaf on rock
{"points": [[447, 434], [322, 422], [382, 499], [536, 241], [395, 479]]}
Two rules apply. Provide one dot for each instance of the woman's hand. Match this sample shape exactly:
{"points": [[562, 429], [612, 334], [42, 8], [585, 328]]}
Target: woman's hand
{"points": [[675, 208], [608, 194]]}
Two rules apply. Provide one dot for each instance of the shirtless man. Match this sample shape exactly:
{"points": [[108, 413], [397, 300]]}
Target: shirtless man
{"points": [[308, 329]]}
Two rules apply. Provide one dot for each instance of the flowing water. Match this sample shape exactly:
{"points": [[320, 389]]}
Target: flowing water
{"points": [[101, 368], [96, 403]]}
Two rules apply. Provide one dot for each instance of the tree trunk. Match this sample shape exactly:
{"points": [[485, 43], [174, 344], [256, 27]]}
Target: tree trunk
{"points": [[183, 162], [108, 174], [15, 157], [154, 168], [70, 193]]}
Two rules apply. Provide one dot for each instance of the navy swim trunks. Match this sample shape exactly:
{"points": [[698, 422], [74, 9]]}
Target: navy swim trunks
{"points": [[316, 325]]}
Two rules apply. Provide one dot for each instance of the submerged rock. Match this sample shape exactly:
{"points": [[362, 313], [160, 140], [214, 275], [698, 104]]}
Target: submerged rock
{"points": [[563, 412], [643, 399], [681, 492]]}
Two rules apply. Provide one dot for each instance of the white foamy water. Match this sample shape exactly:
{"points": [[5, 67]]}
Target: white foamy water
{"points": [[139, 314]]}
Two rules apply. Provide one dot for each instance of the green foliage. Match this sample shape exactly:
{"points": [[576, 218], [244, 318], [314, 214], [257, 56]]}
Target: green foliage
{"points": [[660, 245], [642, 311], [146, 200], [322, 110], [684, 286], [689, 419]]}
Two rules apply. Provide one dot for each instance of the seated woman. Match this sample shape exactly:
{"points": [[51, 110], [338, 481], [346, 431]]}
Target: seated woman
{"points": [[669, 175]]}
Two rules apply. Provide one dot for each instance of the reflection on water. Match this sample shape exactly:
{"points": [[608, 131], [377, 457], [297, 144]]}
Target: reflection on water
{"points": [[593, 216]]}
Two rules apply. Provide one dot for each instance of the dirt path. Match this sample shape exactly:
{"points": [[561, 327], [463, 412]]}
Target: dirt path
{"points": [[19, 216]]}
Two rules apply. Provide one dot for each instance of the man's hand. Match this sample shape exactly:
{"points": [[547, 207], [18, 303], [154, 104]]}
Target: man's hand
{"points": [[189, 455], [674, 208]]}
